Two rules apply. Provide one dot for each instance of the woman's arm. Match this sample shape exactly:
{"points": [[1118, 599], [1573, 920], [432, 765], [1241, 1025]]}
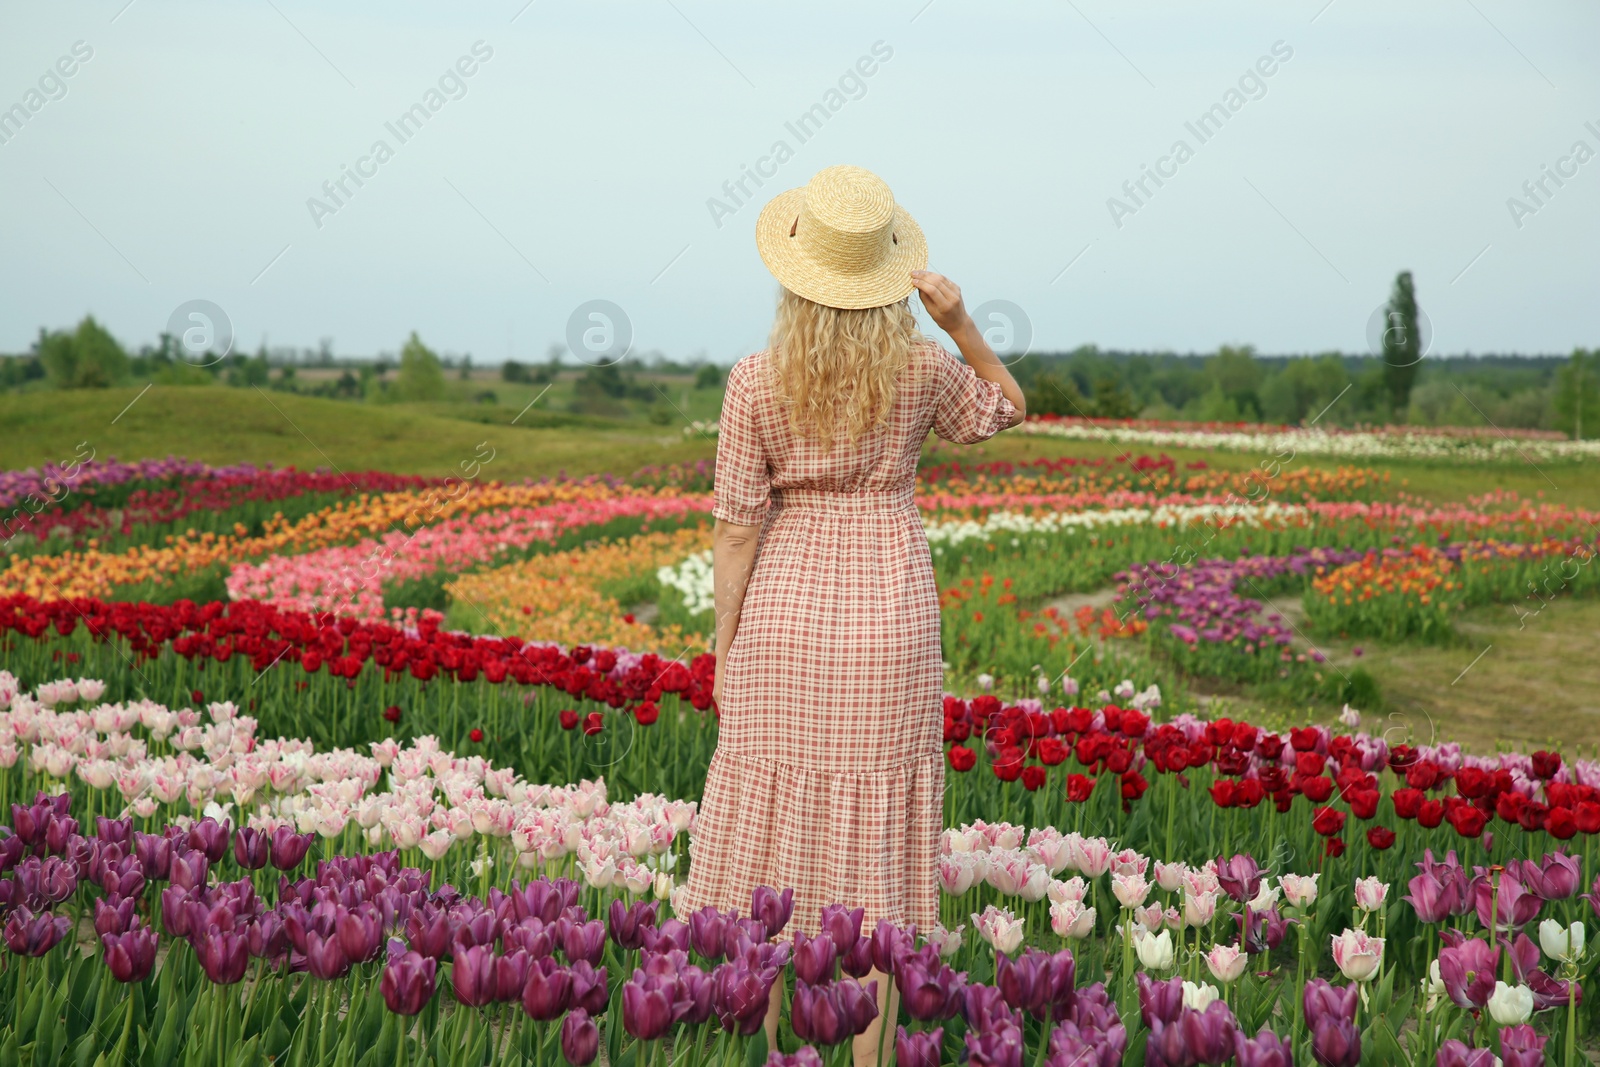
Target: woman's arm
{"points": [[942, 298], [733, 557]]}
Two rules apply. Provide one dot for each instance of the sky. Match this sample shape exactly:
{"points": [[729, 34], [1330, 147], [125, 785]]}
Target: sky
{"points": [[585, 158]]}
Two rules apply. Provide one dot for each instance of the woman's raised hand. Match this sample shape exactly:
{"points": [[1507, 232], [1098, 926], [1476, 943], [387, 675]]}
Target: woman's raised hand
{"points": [[942, 299]]}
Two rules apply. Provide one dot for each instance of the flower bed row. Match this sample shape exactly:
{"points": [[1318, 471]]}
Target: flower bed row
{"points": [[1414, 443]]}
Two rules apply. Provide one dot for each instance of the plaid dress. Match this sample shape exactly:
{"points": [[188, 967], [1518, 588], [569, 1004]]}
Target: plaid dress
{"points": [[829, 771]]}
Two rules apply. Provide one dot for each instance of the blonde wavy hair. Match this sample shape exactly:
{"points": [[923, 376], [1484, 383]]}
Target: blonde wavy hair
{"points": [[839, 370]]}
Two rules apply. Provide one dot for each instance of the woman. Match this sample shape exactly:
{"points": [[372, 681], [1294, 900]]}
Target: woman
{"points": [[828, 775]]}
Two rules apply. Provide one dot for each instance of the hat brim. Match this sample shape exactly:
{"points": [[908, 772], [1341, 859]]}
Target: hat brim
{"points": [[888, 283]]}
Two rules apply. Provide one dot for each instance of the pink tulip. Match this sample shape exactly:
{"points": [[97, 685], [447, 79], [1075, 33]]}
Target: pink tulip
{"points": [[1357, 954]]}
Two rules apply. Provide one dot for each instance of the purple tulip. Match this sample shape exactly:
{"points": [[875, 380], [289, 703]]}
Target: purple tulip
{"points": [[627, 924], [11, 851], [325, 956], [1336, 1042], [1548, 992], [918, 1050], [47, 881], [114, 831], [224, 955], [175, 910], [1240, 876], [131, 954], [252, 848], [1514, 907], [929, 988], [670, 934], [1433, 900], [1209, 1034], [828, 1014], [59, 833], [113, 915], [648, 1007], [30, 934], [547, 990], [771, 908], [472, 975], [814, 958], [858, 1002], [890, 944], [1556, 877], [1521, 1046], [155, 855], [857, 963], [985, 1009], [1072, 1045], [1454, 1053], [266, 937], [1000, 1047], [1021, 982], [843, 925], [289, 848], [1321, 999], [531, 935], [1266, 1049], [408, 982], [584, 941], [708, 933], [211, 837], [580, 1038], [589, 990], [189, 869], [429, 929], [1468, 972], [740, 994], [511, 976], [804, 1056], [472, 929], [360, 933], [695, 1007], [123, 878], [1163, 1001]]}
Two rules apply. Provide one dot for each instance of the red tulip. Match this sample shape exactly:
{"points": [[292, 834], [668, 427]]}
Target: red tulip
{"points": [[1328, 821], [1380, 837], [1079, 787]]}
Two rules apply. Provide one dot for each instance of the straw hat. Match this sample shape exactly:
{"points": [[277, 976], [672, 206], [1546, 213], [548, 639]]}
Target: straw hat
{"points": [[841, 240]]}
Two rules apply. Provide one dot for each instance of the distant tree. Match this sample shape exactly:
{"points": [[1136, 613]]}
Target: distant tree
{"points": [[1237, 374], [1112, 401], [1052, 393], [512, 371], [420, 377], [348, 386], [87, 358], [708, 376], [1577, 402], [1402, 343], [466, 367]]}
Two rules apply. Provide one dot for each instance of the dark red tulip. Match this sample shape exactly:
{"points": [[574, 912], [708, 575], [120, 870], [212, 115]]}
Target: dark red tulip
{"points": [[408, 982], [580, 1038], [130, 955]]}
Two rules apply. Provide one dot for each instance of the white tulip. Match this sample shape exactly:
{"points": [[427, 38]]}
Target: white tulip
{"points": [[1511, 1005], [1199, 997], [1155, 950], [1564, 943]]}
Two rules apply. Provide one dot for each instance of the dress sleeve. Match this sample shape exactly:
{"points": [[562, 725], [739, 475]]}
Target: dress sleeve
{"points": [[969, 409], [743, 480]]}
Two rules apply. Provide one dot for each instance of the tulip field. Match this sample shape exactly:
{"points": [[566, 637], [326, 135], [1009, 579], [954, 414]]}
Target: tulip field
{"points": [[367, 768]]}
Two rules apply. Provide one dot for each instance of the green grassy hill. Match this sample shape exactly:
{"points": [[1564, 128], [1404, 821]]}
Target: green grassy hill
{"points": [[220, 425]]}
